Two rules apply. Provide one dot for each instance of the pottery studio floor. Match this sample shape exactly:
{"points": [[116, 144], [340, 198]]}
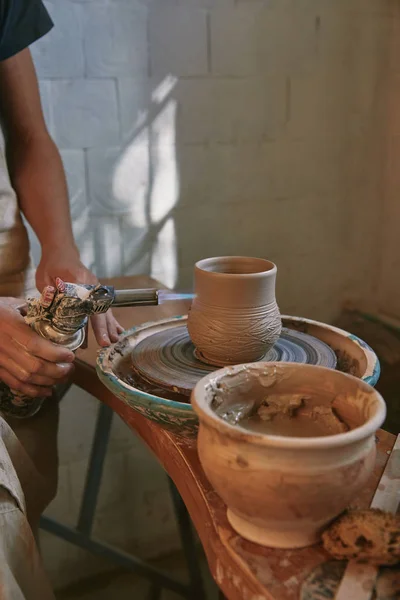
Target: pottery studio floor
{"points": [[120, 585]]}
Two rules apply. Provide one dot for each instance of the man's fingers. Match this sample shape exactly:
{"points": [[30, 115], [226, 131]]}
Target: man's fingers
{"points": [[18, 304], [114, 328], [40, 367], [38, 346], [33, 391], [47, 381], [115, 325], [31, 369], [100, 329], [22, 309], [29, 364], [120, 329], [106, 328]]}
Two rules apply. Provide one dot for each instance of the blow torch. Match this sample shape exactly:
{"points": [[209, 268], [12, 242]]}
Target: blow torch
{"points": [[61, 314]]}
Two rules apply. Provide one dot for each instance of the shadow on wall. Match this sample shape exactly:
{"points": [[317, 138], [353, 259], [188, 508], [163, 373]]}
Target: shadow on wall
{"points": [[206, 171], [129, 220], [174, 191], [145, 189], [181, 184], [265, 148]]}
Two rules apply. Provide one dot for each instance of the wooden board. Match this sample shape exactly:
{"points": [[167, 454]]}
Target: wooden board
{"points": [[243, 570]]}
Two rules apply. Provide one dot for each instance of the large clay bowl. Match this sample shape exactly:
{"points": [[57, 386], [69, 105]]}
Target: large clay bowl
{"points": [[282, 491], [354, 356]]}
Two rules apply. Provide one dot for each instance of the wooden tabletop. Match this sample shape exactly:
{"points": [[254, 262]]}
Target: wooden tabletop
{"points": [[242, 570]]}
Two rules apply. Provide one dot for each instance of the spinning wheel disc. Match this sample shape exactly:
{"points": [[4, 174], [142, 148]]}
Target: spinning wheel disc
{"points": [[167, 358]]}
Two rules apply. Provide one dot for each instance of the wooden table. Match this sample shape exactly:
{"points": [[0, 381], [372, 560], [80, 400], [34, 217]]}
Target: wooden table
{"points": [[242, 570]]}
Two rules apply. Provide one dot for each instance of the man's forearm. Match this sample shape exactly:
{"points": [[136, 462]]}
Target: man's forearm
{"points": [[38, 177], [33, 159]]}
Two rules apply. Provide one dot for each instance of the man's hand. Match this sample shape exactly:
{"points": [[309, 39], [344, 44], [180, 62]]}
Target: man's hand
{"points": [[38, 178], [29, 363], [69, 268]]}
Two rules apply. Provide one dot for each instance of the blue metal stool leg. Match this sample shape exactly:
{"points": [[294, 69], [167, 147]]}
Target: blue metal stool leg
{"points": [[188, 543], [81, 535], [95, 469]]}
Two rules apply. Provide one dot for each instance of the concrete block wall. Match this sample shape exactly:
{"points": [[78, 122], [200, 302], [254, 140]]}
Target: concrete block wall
{"points": [[210, 126], [193, 128]]}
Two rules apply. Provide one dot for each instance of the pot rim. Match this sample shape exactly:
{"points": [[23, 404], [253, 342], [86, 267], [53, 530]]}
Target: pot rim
{"points": [[270, 267], [208, 416]]}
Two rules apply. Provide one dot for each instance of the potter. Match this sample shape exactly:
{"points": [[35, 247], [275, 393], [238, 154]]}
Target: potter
{"points": [[234, 317], [282, 490]]}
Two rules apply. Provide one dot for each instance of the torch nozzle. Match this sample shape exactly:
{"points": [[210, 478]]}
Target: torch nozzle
{"points": [[144, 297]]}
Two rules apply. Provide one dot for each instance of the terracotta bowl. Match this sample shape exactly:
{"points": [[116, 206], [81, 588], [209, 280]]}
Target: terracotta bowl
{"points": [[282, 491], [354, 357]]}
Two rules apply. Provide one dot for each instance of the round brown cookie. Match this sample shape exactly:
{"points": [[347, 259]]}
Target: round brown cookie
{"points": [[369, 535]]}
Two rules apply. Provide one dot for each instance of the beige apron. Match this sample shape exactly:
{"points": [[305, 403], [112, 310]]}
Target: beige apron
{"points": [[16, 268], [28, 448]]}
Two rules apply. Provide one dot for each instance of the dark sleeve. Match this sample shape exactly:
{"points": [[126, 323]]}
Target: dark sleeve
{"points": [[22, 22]]}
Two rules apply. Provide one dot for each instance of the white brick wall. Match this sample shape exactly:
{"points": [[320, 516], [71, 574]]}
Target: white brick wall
{"points": [[60, 53], [178, 41], [85, 113], [47, 103], [204, 127], [115, 38], [255, 110], [134, 97], [75, 171], [233, 41], [101, 165]]}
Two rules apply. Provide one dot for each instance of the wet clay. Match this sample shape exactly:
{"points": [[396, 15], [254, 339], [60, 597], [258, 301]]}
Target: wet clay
{"points": [[287, 415], [234, 317]]}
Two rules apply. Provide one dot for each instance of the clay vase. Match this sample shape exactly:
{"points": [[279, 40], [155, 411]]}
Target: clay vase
{"points": [[234, 317], [282, 491]]}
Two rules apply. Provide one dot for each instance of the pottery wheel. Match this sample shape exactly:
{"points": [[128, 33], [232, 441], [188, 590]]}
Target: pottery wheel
{"points": [[167, 358]]}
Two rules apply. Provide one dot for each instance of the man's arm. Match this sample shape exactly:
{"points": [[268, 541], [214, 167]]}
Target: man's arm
{"points": [[38, 177], [34, 162]]}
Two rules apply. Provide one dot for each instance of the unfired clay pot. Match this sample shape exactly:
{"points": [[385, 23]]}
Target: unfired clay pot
{"points": [[282, 491], [234, 317]]}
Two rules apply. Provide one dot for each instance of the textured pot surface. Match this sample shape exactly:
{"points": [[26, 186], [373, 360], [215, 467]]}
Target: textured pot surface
{"points": [[234, 317], [281, 491]]}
